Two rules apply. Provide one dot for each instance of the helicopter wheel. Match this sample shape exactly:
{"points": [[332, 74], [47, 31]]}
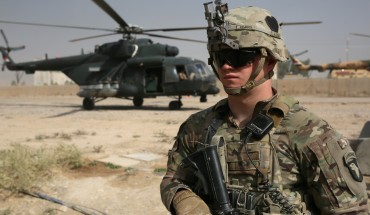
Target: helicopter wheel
{"points": [[138, 101], [175, 105], [203, 98], [88, 103]]}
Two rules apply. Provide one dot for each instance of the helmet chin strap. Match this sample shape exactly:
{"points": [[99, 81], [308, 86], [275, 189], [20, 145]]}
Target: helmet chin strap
{"points": [[251, 83]]}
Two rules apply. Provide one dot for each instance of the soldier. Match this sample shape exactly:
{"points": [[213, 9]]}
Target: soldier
{"points": [[276, 157]]}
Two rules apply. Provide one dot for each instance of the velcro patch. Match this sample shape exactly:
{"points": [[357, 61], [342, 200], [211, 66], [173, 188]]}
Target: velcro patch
{"points": [[351, 162]]}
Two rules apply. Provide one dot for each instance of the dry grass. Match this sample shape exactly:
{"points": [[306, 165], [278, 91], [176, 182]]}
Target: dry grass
{"points": [[23, 167]]}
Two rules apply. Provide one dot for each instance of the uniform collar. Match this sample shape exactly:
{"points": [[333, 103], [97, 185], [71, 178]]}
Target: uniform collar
{"points": [[264, 106]]}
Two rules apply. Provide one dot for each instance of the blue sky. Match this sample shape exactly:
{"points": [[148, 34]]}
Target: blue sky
{"points": [[326, 42]]}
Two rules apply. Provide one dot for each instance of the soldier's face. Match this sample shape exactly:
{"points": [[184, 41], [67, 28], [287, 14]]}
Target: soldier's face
{"points": [[232, 77]]}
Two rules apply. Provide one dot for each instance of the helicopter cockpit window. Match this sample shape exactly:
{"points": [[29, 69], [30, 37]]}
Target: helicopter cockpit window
{"points": [[208, 70], [192, 71], [201, 69], [180, 69]]}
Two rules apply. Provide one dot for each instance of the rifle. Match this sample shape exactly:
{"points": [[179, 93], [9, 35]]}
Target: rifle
{"points": [[206, 166]]}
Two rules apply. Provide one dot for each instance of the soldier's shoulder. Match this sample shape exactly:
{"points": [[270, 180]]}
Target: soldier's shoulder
{"points": [[303, 125], [299, 117]]}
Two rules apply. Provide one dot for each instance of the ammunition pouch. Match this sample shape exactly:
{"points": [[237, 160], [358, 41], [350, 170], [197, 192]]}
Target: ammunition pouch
{"points": [[251, 202], [243, 201]]}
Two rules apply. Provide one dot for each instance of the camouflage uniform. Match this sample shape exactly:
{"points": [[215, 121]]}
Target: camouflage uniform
{"points": [[306, 162]]}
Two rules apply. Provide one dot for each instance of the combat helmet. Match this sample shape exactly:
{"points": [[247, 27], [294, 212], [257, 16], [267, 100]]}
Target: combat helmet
{"points": [[244, 28]]}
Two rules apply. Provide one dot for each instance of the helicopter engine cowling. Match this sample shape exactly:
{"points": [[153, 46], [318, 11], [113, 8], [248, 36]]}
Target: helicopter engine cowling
{"points": [[120, 49], [171, 51], [157, 49]]}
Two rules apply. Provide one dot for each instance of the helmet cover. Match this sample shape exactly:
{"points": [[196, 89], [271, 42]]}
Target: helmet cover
{"points": [[248, 27]]}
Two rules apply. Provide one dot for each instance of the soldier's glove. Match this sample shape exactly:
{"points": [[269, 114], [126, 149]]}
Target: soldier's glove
{"points": [[186, 202]]}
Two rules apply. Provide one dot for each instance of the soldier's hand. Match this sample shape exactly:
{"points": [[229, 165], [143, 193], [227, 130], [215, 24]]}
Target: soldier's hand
{"points": [[186, 202]]}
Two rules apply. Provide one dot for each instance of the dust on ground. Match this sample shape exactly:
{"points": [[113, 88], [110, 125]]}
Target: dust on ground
{"points": [[137, 139]]}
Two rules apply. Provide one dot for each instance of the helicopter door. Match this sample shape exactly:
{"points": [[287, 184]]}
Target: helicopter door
{"points": [[153, 80]]}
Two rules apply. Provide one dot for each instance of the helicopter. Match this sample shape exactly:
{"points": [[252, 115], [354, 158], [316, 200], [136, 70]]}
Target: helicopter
{"points": [[357, 68], [130, 68], [345, 65]]}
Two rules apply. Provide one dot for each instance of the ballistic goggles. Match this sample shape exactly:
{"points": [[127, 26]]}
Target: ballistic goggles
{"points": [[235, 58]]}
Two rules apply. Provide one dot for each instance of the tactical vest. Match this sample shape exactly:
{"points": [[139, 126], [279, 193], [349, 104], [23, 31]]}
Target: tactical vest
{"points": [[250, 167]]}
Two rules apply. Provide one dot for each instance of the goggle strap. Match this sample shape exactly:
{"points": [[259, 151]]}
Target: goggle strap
{"points": [[210, 62], [261, 63], [258, 69]]}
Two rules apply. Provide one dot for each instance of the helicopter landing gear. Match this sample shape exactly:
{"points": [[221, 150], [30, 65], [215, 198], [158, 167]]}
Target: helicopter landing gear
{"points": [[175, 105], [138, 101], [203, 98], [88, 103]]}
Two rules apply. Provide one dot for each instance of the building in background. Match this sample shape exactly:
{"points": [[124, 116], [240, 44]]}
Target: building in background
{"points": [[48, 78], [44, 78]]}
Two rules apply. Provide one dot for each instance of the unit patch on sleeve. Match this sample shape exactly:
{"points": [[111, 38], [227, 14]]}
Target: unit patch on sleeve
{"points": [[351, 162]]}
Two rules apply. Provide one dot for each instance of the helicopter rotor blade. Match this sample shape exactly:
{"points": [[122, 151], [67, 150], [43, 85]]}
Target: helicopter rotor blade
{"points": [[300, 23], [360, 35], [176, 29], [7, 43], [92, 37], [112, 13], [58, 26], [5, 39], [174, 38], [17, 48]]}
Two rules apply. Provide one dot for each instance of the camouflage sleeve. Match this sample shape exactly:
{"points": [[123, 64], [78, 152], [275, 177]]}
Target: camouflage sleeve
{"points": [[329, 165], [175, 178]]}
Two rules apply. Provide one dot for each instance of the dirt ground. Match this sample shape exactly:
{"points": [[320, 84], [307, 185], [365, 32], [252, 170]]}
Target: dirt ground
{"points": [[135, 138]]}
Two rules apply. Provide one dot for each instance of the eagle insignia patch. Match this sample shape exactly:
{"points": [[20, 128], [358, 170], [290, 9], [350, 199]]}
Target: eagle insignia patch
{"points": [[351, 162]]}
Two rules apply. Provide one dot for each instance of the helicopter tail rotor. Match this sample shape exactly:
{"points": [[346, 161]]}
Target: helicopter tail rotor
{"points": [[8, 48], [5, 51]]}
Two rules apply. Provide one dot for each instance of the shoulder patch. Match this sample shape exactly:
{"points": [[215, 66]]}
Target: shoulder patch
{"points": [[351, 162]]}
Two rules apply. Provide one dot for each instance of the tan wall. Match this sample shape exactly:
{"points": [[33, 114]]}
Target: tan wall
{"points": [[356, 87], [39, 90]]}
